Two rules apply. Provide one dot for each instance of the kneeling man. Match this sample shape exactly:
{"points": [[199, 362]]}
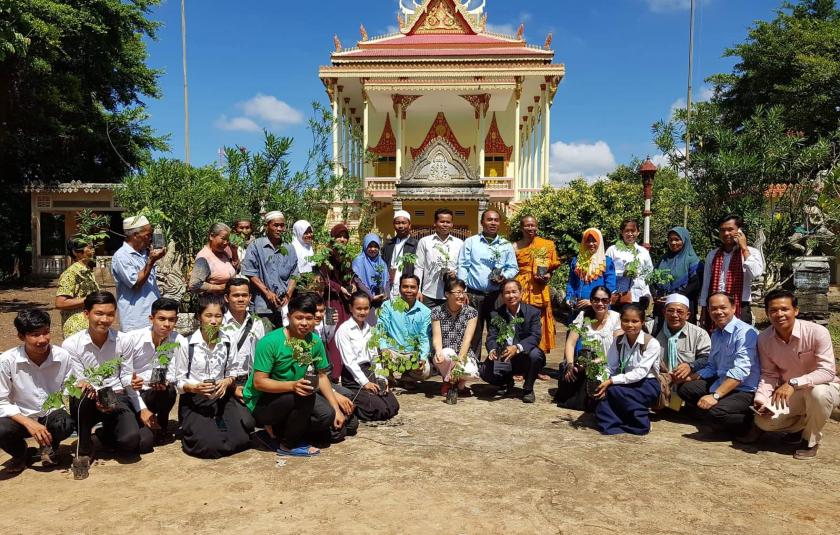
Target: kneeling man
{"points": [[797, 371], [723, 390], [520, 327]]}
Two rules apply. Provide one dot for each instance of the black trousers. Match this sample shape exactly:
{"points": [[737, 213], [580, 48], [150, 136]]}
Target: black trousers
{"points": [[732, 412], [370, 407], [526, 364], [13, 435], [122, 428], [323, 415], [214, 428], [160, 402], [288, 414], [484, 304]]}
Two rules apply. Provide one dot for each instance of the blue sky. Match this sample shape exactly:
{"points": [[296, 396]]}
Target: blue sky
{"points": [[254, 64]]}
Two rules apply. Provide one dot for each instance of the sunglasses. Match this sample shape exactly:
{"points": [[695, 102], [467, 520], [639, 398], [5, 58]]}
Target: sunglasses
{"points": [[601, 300]]}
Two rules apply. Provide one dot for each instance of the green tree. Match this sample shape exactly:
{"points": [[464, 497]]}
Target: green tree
{"points": [[792, 61], [72, 82]]}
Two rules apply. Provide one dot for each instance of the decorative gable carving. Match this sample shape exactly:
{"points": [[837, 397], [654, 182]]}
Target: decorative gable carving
{"points": [[440, 129]]}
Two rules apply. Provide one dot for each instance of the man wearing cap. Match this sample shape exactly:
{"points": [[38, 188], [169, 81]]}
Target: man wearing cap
{"points": [[401, 244], [135, 276], [684, 346], [270, 266]]}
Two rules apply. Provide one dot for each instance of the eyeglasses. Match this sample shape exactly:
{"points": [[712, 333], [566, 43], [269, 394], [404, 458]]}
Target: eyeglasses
{"points": [[601, 300], [458, 292]]}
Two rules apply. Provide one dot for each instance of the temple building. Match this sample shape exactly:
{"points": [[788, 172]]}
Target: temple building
{"points": [[442, 113]]}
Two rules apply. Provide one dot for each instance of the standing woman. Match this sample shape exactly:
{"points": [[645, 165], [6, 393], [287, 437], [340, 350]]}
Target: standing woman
{"points": [[632, 388], [686, 268], [213, 422], [632, 263], [340, 283], [537, 259], [453, 327], [590, 268], [213, 264], [371, 270], [302, 242], [598, 323], [76, 283]]}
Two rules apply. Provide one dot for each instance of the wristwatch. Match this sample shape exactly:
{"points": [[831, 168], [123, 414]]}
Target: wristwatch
{"points": [[716, 396], [793, 382]]}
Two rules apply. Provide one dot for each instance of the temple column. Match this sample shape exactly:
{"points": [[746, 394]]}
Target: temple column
{"points": [[516, 148], [366, 171], [534, 153], [359, 150], [399, 140], [348, 137], [546, 145], [331, 91], [482, 125]]}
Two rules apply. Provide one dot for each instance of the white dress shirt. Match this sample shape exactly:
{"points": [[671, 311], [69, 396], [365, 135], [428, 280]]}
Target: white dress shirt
{"points": [[753, 266], [214, 364], [143, 353], [430, 261], [24, 386], [244, 361], [352, 342], [621, 258], [86, 355], [637, 365]]}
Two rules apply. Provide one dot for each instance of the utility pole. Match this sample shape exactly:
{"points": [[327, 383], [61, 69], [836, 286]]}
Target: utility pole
{"points": [[688, 102], [186, 95]]}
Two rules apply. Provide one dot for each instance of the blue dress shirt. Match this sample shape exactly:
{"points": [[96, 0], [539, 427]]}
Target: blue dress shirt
{"points": [[273, 268], [401, 326], [734, 356], [134, 305], [476, 262]]}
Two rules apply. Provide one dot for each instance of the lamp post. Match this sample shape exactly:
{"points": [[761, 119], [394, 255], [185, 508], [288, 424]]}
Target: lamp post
{"points": [[648, 171]]}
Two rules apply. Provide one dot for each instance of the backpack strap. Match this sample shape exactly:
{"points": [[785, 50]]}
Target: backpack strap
{"points": [[245, 332]]}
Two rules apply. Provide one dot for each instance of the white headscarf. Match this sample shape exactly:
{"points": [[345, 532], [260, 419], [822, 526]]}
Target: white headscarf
{"points": [[303, 250]]}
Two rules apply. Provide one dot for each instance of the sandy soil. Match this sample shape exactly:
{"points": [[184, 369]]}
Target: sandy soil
{"points": [[482, 466]]}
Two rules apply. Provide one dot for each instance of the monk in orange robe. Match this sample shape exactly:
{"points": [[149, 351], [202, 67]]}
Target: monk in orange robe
{"points": [[537, 259]]}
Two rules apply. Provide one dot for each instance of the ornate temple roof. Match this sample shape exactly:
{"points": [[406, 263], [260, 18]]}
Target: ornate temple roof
{"points": [[444, 29]]}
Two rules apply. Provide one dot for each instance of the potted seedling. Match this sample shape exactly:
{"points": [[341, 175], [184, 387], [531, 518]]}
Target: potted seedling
{"points": [[163, 355], [302, 354], [658, 280], [496, 272], [105, 395], [504, 338], [346, 253], [406, 259], [444, 263], [540, 257], [55, 401], [398, 358], [378, 278]]}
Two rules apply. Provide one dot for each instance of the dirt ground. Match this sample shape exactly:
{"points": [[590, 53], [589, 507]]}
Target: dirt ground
{"points": [[481, 466]]}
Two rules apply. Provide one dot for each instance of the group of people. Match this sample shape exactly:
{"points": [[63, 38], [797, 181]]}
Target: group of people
{"points": [[296, 366]]}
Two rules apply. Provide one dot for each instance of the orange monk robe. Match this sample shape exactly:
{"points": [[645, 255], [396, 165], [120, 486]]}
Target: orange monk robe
{"points": [[543, 253]]}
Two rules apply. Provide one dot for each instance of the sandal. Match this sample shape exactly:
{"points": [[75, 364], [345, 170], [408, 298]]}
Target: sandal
{"points": [[300, 451]]}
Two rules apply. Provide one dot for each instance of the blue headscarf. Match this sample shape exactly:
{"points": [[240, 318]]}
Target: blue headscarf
{"points": [[365, 267], [682, 264]]}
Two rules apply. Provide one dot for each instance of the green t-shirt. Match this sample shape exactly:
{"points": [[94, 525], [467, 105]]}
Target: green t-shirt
{"points": [[274, 357]]}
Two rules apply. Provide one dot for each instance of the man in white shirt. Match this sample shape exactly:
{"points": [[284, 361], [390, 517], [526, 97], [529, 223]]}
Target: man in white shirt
{"points": [[29, 373], [437, 258], [122, 427], [243, 329], [401, 244], [731, 269], [153, 348]]}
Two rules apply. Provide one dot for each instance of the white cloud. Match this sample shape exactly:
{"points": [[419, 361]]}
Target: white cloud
{"points": [[663, 6], [262, 111], [703, 95], [579, 159], [509, 28], [271, 110], [241, 124]]}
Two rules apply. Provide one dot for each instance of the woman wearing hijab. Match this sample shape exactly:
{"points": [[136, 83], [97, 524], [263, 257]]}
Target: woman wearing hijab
{"points": [[339, 285], [372, 270], [590, 268], [302, 242], [686, 268]]}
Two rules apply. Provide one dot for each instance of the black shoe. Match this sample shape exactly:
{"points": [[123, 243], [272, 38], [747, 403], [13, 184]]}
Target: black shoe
{"points": [[529, 397], [505, 390], [452, 396]]}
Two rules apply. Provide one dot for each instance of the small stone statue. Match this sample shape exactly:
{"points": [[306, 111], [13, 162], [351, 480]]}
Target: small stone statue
{"points": [[807, 237]]}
